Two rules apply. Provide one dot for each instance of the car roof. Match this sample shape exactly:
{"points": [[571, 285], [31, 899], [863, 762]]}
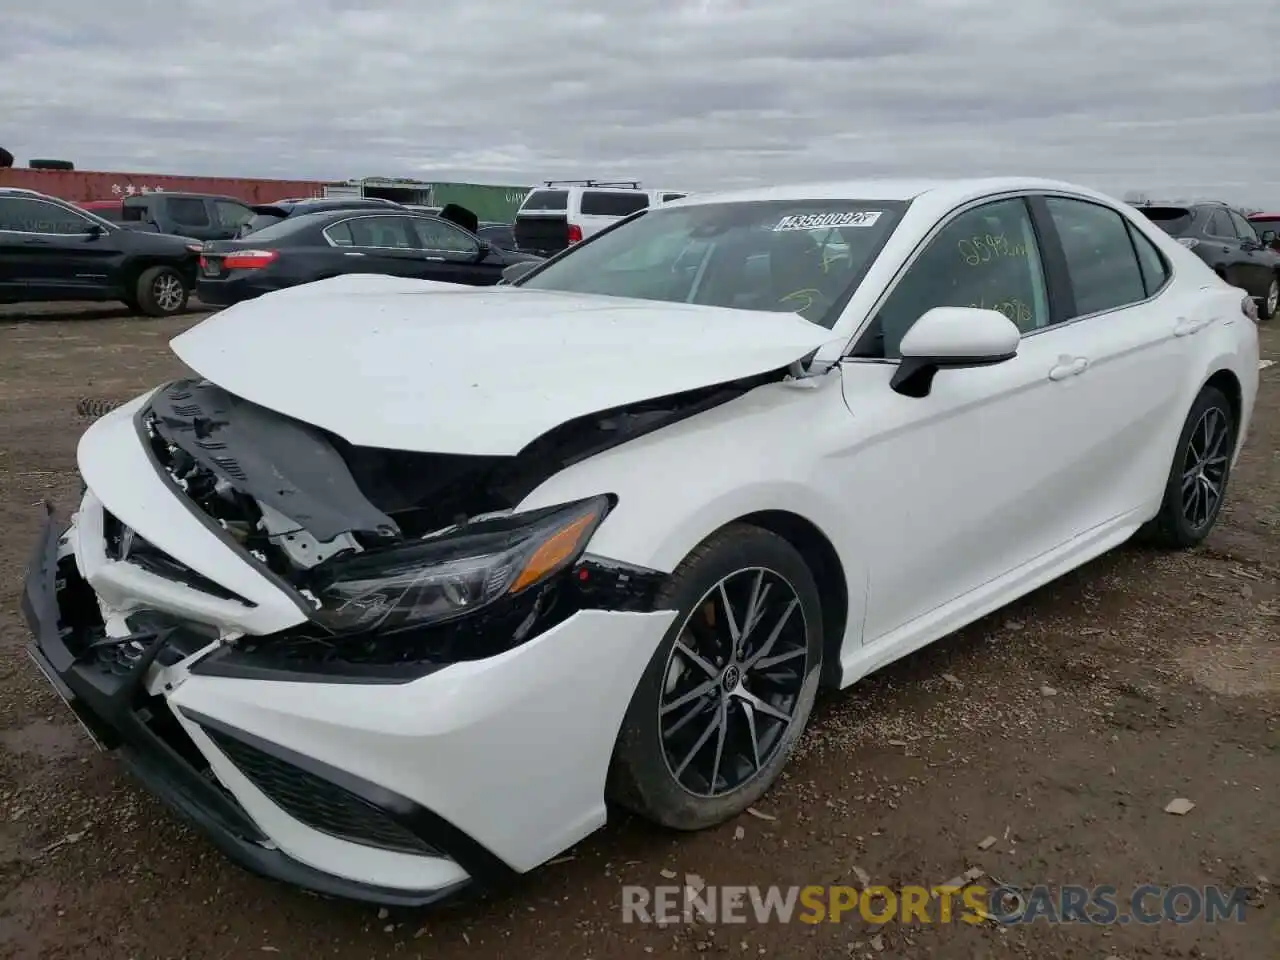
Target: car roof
{"points": [[320, 216], [940, 189], [185, 195]]}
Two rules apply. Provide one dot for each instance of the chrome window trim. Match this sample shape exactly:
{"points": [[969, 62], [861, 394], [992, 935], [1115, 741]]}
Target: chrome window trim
{"points": [[381, 215], [363, 216]]}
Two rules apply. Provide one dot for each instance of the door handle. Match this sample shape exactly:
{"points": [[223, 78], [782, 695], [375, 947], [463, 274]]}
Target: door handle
{"points": [[352, 253], [1185, 327], [35, 242], [1069, 367]]}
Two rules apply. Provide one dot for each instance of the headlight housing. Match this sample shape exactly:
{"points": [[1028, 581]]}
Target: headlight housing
{"points": [[430, 581]]}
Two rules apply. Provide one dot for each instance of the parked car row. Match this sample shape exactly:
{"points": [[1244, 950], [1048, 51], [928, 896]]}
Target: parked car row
{"points": [[244, 250], [153, 251], [1239, 250], [309, 246]]}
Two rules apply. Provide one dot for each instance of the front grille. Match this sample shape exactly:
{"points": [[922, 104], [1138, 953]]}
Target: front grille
{"points": [[319, 804]]}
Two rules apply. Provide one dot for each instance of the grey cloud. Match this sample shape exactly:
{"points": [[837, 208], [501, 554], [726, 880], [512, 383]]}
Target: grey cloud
{"points": [[1176, 96]]}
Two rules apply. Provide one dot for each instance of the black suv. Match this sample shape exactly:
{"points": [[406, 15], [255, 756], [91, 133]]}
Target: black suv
{"points": [[53, 250], [201, 216], [1226, 241]]}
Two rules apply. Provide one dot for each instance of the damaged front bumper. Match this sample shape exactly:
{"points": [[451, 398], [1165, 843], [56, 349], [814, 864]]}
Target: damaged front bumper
{"points": [[398, 794]]}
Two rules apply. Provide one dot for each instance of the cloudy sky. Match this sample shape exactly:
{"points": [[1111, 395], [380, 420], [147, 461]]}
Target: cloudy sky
{"points": [[1170, 97]]}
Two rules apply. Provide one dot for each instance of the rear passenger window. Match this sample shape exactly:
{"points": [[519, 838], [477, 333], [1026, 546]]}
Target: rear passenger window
{"points": [[1155, 272], [231, 214], [188, 212], [603, 203], [388, 233], [1101, 260], [1220, 225], [339, 234], [668, 197]]}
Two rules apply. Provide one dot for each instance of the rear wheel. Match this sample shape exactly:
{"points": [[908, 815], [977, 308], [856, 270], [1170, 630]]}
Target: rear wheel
{"points": [[730, 688], [1197, 483], [161, 292]]}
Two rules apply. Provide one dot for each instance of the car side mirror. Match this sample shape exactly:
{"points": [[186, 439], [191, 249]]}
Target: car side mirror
{"points": [[952, 337], [94, 231], [517, 270], [483, 248], [1268, 237]]}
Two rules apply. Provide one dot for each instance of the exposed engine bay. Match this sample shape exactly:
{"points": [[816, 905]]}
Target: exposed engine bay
{"points": [[295, 495], [304, 502]]}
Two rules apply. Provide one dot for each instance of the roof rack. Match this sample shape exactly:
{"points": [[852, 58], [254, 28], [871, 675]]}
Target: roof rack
{"points": [[630, 184]]}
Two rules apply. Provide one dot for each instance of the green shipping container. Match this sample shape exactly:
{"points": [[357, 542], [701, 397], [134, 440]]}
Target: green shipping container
{"points": [[491, 204]]}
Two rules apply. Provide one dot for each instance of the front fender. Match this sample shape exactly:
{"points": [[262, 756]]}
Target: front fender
{"points": [[765, 451]]}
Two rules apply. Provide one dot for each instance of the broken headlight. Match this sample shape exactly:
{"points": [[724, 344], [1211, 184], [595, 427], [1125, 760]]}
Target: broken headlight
{"points": [[447, 576]]}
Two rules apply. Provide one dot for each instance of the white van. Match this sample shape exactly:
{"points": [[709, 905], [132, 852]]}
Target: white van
{"points": [[564, 212]]}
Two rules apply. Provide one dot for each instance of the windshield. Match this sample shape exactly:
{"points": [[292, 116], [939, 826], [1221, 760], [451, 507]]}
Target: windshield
{"points": [[794, 256]]}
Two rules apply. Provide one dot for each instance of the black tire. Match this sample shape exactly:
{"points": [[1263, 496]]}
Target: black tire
{"points": [[641, 778], [1171, 527], [1268, 307], [94, 408], [156, 294]]}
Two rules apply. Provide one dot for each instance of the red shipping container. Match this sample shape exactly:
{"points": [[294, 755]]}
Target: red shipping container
{"points": [[78, 186]]}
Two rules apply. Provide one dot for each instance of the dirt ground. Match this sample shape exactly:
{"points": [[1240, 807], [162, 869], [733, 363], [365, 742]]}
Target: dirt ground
{"points": [[1061, 727]]}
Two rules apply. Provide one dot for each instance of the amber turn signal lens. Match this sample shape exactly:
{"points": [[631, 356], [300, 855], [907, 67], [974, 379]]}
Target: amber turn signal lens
{"points": [[556, 551]]}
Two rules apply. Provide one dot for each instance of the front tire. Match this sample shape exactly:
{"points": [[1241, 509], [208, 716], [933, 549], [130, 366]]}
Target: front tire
{"points": [[161, 292], [1197, 484], [729, 690]]}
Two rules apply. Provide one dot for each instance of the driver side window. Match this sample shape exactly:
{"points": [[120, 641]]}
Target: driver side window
{"points": [[986, 257]]}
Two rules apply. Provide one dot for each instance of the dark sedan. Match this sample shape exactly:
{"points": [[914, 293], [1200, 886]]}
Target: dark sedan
{"points": [[317, 246]]}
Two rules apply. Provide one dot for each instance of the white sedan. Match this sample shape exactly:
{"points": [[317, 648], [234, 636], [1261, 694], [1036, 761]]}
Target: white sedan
{"points": [[416, 578]]}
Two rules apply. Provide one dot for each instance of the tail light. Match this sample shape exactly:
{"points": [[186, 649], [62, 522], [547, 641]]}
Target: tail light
{"points": [[1250, 308], [249, 259], [575, 233]]}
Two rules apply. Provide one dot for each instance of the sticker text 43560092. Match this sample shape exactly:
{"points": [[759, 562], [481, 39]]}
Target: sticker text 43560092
{"points": [[816, 221]]}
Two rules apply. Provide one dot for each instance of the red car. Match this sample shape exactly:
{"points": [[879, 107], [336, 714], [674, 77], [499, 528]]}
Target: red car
{"points": [[1267, 223]]}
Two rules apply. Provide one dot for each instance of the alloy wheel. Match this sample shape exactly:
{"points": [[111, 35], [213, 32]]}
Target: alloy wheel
{"points": [[732, 682], [1273, 298], [168, 292], [1204, 468]]}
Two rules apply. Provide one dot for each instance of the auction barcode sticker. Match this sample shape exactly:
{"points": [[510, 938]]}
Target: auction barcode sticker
{"points": [[816, 221]]}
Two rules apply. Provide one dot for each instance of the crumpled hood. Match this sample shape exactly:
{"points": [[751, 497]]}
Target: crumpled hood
{"points": [[444, 368]]}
